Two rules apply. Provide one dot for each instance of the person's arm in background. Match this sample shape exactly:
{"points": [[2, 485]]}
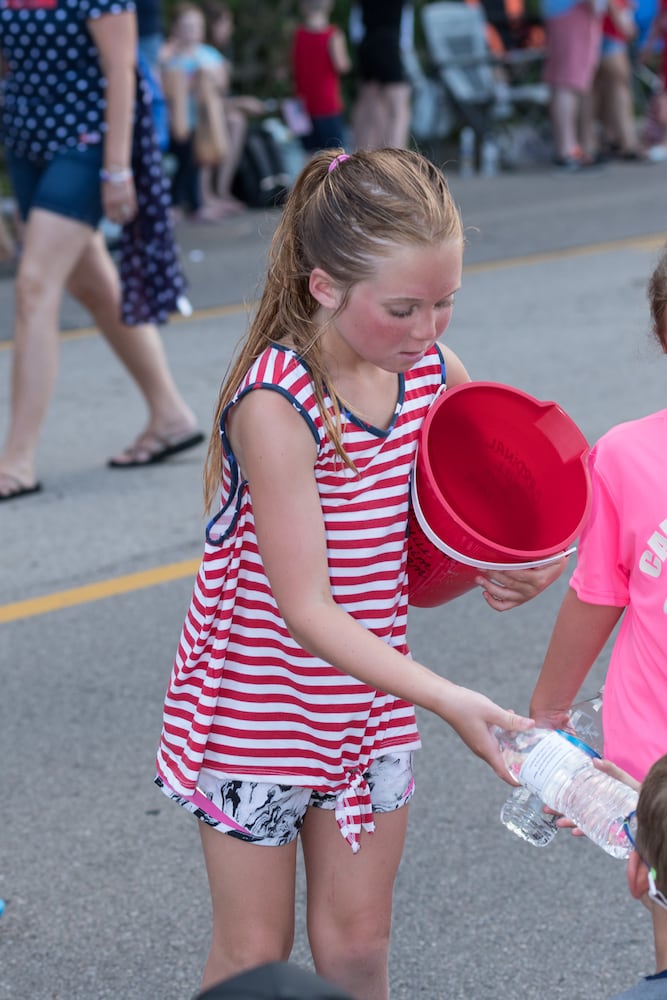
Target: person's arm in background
{"points": [[338, 52], [578, 637], [115, 36]]}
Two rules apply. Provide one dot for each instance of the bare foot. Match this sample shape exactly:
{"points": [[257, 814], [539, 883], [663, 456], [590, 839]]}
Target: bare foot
{"points": [[207, 213], [232, 206]]}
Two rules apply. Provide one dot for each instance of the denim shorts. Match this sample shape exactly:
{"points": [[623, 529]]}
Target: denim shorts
{"points": [[67, 184], [272, 814]]}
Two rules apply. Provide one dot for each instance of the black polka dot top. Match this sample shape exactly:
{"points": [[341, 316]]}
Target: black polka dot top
{"points": [[53, 96]]}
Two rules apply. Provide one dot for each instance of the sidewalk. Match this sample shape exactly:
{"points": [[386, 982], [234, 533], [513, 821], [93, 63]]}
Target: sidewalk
{"points": [[530, 212]]}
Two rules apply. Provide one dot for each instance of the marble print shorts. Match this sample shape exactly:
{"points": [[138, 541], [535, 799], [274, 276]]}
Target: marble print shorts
{"points": [[272, 814]]}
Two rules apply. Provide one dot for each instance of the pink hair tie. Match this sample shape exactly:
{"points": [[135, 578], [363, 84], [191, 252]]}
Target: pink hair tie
{"points": [[338, 159]]}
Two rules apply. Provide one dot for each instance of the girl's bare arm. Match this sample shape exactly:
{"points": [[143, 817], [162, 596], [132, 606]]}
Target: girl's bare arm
{"points": [[580, 632]]}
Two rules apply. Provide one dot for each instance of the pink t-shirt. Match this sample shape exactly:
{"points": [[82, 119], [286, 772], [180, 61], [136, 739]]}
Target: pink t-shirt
{"points": [[622, 562]]}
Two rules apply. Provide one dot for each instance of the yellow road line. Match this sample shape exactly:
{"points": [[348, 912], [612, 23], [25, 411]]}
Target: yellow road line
{"points": [[651, 242], [654, 242], [34, 606], [212, 312], [176, 571]]}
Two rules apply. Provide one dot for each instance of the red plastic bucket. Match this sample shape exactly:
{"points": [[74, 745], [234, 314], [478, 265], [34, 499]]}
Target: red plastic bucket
{"points": [[500, 481]]}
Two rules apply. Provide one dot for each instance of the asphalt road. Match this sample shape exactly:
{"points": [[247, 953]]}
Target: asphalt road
{"points": [[105, 889]]}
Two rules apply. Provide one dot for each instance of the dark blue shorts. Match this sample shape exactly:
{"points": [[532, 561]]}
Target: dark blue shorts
{"points": [[68, 184], [327, 133]]}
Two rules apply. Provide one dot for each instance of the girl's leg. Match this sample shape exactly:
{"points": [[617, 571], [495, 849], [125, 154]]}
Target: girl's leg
{"points": [[52, 244], [252, 895], [94, 282], [350, 900]]}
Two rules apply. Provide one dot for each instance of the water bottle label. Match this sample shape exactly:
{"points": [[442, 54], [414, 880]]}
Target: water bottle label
{"points": [[547, 757]]}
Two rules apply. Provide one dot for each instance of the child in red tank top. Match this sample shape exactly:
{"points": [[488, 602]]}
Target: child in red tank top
{"points": [[319, 58]]}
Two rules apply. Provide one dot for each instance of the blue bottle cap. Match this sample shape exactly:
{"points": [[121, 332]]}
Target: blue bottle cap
{"points": [[579, 743]]}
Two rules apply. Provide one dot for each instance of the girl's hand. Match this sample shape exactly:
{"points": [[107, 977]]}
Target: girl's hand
{"points": [[505, 589], [550, 719], [119, 200], [471, 715]]}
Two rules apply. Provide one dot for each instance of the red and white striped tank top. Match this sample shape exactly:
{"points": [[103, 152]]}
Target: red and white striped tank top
{"points": [[244, 699]]}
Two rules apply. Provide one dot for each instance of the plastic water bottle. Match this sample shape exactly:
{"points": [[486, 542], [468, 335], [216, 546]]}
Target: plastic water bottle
{"points": [[585, 721], [555, 766], [523, 812], [467, 144]]}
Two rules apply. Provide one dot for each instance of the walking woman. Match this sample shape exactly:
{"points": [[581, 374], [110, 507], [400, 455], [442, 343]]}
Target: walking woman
{"points": [[68, 118]]}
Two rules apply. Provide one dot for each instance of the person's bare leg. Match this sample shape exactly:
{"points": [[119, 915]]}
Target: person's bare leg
{"points": [[601, 111], [237, 129], [95, 284], [564, 109], [7, 242], [398, 114], [350, 900], [587, 131], [51, 246], [252, 895], [211, 205], [369, 117], [211, 107], [176, 89], [620, 108]]}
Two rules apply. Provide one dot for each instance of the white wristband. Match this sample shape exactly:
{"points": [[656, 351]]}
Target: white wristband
{"points": [[116, 176]]}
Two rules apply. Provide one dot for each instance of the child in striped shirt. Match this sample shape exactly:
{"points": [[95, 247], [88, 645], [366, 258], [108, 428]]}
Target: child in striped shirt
{"points": [[290, 709]]}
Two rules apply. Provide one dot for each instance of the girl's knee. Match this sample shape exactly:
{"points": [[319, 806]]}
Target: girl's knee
{"points": [[358, 942]]}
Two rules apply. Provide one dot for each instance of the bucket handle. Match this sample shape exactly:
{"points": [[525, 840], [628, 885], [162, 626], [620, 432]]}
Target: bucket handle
{"points": [[468, 560]]}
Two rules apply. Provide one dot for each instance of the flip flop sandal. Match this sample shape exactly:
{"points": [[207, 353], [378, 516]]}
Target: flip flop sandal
{"points": [[140, 454], [20, 490]]}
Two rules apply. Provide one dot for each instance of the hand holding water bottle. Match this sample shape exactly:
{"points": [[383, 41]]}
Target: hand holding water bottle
{"points": [[524, 813], [558, 768]]}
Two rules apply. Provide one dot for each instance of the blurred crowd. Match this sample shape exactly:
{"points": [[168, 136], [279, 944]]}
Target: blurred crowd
{"points": [[603, 61], [352, 84], [211, 126]]}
